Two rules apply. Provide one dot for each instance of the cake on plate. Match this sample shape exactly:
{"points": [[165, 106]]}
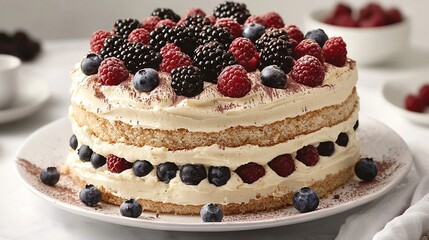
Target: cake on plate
{"points": [[231, 108]]}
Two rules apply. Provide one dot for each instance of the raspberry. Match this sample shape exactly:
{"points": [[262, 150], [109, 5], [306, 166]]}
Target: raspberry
{"points": [[414, 103], [149, 23], [97, 40], [255, 19], [250, 172], [234, 28], [140, 35], [165, 22], [194, 12], [424, 93], [345, 21], [272, 20], [308, 155], [393, 15], [112, 71], [283, 165], [335, 51], [370, 10], [309, 71], [342, 9], [174, 59], [294, 32], [116, 164], [233, 81], [309, 47], [375, 20], [245, 53], [169, 47]]}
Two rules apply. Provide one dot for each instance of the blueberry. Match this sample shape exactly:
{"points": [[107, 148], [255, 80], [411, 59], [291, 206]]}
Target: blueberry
{"points": [[343, 139], [356, 125], [305, 200], [273, 76], [50, 176], [219, 176], [166, 171], [131, 208], [326, 148], [73, 142], [97, 160], [317, 35], [253, 31], [84, 153], [192, 174], [90, 64], [142, 168], [366, 169], [145, 80], [90, 195], [211, 213]]}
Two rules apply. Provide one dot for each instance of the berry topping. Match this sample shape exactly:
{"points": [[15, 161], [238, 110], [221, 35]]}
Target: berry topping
{"points": [[196, 21], [342, 9], [97, 40], [174, 59], [326, 149], [283, 165], [356, 125], [255, 19], [308, 70], [272, 20], [149, 23], [182, 37], [366, 169], [294, 32], [219, 34], [73, 142], [211, 213], [345, 21], [84, 153], [164, 13], [273, 76], [237, 11], [192, 174], [269, 35], [335, 51], [234, 28], [305, 200], [142, 168], [166, 171], [145, 80], [165, 22], [169, 47], [112, 71], [317, 35], [343, 139], [393, 15], [245, 53], [116, 164], [90, 195], [424, 93], [139, 35], [187, 81], [97, 160], [414, 103], [250, 172], [308, 155], [219, 176], [50, 176], [123, 27], [309, 47], [195, 11], [253, 31], [131, 208], [277, 53], [233, 82], [90, 64]]}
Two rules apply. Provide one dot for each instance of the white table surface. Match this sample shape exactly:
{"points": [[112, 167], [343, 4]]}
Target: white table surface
{"points": [[25, 216]]}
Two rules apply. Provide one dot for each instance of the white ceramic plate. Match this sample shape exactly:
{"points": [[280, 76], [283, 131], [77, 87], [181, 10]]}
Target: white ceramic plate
{"points": [[49, 145], [395, 92], [31, 96]]}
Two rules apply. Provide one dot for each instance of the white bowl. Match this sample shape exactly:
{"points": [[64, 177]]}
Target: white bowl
{"points": [[368, 46]]}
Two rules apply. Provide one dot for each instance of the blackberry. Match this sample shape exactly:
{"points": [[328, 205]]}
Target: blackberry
{"points": [[164, 13], [136, 56], [277, 53], [187, 81], [270, 34], [123, 27], [215, 33], [211, 58], [111, 47], [196, 20], [179, 35], [237, 11], [161, 36]]}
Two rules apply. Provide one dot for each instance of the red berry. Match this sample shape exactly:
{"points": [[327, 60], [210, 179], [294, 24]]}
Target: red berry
{"points": [[309, 47], [308, 70], [342, 9], [97, 40], [194, 11], [294, 32], [212, 19], [165, 22], [169, 47], [112, 71], [393, 15], [308, 155], [335, 51], [345, 21], [140, 35], [250, 172], [233, 81], [414, 103], [424, 93], [376, 20], [283, 165], [245, 53], [116, 164], [272, 20], [149, 23], [369, 10], [234, 28], [174, 59], [255, 19]]}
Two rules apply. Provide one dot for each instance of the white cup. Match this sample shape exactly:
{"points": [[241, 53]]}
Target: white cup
{"points": [[9, 66]]}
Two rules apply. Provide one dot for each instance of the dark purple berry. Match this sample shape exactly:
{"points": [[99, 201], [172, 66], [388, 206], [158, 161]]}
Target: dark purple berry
{"points": [[131, 208], [342, 140], [253, 31], [326, 148], [211, 213], [84, 153], [192, 174], [146, 79], [219, 176], [90, 195], [97, 160], [73, 142], [273, 76], [90, 64], [305, 200], [166, 171], [142, 168], [50, 176], [317, 35], [366, 169]]}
